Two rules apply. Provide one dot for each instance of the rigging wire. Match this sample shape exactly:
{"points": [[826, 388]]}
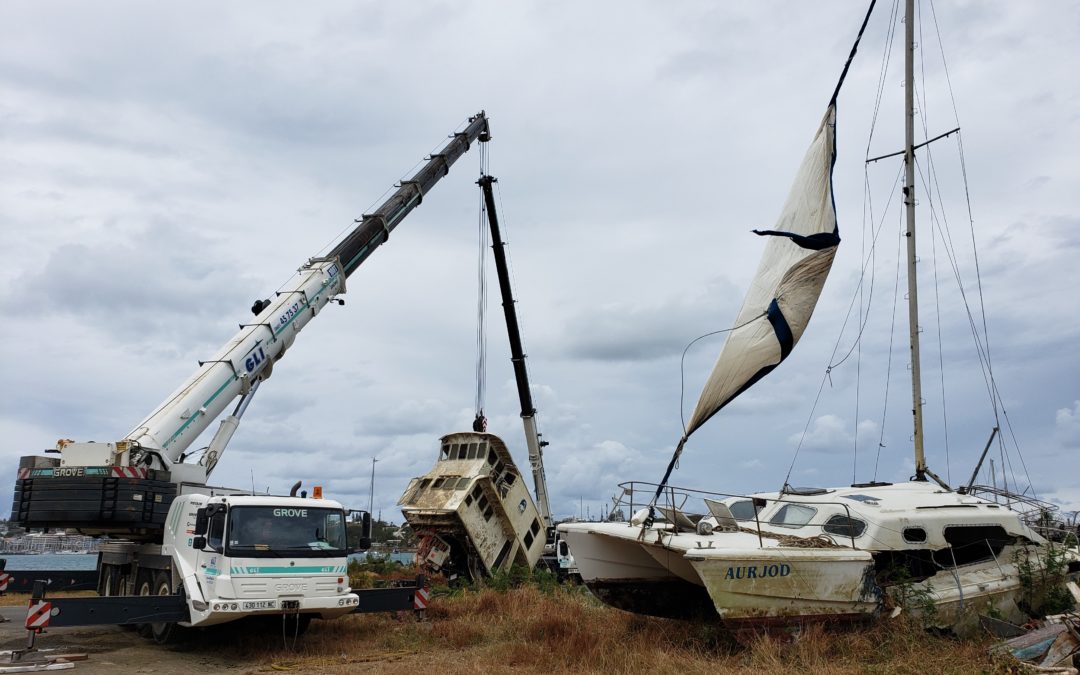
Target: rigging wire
{"points": [[682, 364], [932, 170], [996, 399], [941, 354], [868, 206], [888, 366], [941, 223], [481, 301], [829, 368]]}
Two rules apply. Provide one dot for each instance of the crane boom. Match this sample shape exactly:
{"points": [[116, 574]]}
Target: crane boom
{"points": [[161, 440], [517, 356]]}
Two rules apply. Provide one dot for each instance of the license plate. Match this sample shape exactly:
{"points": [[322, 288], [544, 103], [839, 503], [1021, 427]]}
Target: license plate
{"points": [[260, 604]]}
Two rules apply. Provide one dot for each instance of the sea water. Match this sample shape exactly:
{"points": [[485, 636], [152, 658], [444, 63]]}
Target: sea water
{"points": [[50, 561]]}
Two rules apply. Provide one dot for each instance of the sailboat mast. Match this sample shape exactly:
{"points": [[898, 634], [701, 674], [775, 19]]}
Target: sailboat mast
{"points": [[909, 203]]}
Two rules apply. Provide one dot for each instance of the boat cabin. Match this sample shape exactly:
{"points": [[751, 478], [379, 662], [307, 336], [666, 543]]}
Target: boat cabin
{"points": [[473, 512]]}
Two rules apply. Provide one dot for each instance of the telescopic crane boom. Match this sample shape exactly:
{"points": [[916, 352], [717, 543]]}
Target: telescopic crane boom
{"points": [[161, 440], [160, 443]]}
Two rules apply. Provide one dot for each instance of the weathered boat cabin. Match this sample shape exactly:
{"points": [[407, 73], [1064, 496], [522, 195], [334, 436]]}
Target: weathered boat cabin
{"points": [[473, 513]]}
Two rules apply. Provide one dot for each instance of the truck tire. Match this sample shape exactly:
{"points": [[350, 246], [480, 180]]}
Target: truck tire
{"points": [[164, 632], [110, 580], [144, 585]]}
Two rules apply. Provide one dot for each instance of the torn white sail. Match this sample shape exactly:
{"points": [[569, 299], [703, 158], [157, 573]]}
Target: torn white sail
{"points": [[793, 268]]}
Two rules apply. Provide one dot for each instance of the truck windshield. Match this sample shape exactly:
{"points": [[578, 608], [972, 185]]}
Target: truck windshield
{"points": [[273, 531]]}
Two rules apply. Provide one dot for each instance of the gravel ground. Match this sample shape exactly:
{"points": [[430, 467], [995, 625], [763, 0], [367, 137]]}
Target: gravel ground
{"points": [[113, 650]]}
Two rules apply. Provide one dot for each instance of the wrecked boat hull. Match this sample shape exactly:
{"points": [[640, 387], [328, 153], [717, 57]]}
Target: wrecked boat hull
{"points": [[621, 573], [759, 586]]}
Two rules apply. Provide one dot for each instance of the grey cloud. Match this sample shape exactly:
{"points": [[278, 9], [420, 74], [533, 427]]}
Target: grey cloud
{"points": [[222, 145]]}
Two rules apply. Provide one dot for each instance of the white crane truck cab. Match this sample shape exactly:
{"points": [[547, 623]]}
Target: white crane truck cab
{"points": [[241, 555]]}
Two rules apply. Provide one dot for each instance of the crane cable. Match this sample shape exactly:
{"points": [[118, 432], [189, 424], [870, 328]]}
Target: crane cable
{"points": [[480, 422]]}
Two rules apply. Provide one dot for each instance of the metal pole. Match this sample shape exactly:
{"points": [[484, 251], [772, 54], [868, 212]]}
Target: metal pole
{"points": [[371, 496], [975, 473], [909, 203]]}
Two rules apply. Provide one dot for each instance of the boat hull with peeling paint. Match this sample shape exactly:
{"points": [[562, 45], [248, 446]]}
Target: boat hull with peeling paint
{"points": [[779, 584]]}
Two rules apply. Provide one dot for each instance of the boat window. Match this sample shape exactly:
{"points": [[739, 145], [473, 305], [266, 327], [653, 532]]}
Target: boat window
{"points": [[492, 457], [482, 504], [468, 500], [481, 449], [423, 484], [462, 483], [528, 540], [510, 477], [793, 515], [477, 491], [915, 535], [438, 483], [844, 526], [971, 544], [806, 491], [411, 493], [472, 453], [535, 529], [488, 513], [498, 468], [743, 510], [445, 451]]}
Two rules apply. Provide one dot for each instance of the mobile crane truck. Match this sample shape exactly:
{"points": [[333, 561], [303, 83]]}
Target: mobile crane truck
{"points": [[182, 553]]}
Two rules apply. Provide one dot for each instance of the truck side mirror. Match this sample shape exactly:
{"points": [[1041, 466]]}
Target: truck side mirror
{"points": [[202, 522], [199, 543], [364, 540]]}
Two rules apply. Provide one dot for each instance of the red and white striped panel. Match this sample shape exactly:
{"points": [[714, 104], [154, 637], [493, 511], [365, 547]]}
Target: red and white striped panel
{"points": [[24, 473], [37, 617], [5, 579], [129, 471], [421, 598]]}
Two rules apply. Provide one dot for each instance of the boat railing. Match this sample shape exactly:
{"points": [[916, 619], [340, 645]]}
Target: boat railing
{"points": [[1022, 503], [638, 495]]}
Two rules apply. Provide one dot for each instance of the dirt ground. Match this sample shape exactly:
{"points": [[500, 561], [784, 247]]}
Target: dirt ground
{"points": [[112, 650]]}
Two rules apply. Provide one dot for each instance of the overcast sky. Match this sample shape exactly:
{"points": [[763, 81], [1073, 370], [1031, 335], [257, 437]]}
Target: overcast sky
{"points": [[164, 165]]}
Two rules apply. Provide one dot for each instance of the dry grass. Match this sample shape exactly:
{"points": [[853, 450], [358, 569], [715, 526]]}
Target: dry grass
{"points": [[526, 631]]}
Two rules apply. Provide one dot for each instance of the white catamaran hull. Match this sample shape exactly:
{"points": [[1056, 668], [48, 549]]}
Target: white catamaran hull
{"points": [[617, 569], [775, 586]]}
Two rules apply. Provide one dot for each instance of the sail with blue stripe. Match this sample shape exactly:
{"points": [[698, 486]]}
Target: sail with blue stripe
{"points": [[798, 255]]}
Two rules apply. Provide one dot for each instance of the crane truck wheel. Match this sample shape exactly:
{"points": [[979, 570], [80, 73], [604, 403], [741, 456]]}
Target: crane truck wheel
{"points": [[164, 632], [110, 576], [114, 582], [144, 585]]}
